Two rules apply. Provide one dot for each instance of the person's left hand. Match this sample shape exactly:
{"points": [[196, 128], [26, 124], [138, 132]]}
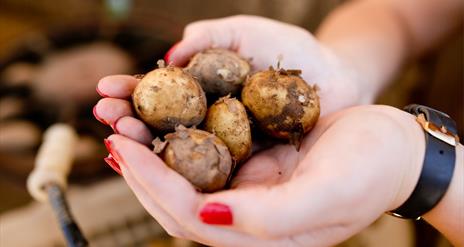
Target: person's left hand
{"points": [[354, 166]]}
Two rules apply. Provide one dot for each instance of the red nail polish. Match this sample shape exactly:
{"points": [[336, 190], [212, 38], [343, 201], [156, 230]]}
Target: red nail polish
{"points": [[100, 93], [114, 154], [113, 164], [169, 52], [97, 117], [107, 144], [216, 214], [113, 126]]}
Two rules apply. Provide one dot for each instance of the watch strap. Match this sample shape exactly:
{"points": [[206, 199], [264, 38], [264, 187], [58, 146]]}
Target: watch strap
{"points": [[438, 166]]}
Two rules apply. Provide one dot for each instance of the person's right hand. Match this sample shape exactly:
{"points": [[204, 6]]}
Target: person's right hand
{"points": [[353, 166], [265, 41]]}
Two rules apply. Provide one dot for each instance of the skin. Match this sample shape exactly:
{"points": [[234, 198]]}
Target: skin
{"points": [[357, 51], [389, 162], [306, 212]]}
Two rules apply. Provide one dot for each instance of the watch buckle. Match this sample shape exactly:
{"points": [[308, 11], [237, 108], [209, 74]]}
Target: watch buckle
{"points": [[401, 216], [440, 133]]}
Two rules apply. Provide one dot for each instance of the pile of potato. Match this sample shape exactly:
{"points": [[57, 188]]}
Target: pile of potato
{"points": [[205, 144]]}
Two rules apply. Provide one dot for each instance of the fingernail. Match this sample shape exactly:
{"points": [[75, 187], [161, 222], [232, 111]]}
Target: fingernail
{"points": [[216, 214], [113, 126], [113, 164], [114, 154], [100, 93], [170, 51], [97, 117]]}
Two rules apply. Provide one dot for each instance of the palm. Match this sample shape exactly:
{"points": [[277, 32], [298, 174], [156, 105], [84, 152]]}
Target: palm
{"points": [[265, 168]]}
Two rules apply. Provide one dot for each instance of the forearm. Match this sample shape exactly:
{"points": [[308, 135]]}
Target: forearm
{"points": [[448, 215], [377, 37]]}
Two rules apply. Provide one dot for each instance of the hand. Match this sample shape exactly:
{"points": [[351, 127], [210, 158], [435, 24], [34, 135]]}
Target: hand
{"points": [[280, 197], [264, 41]]}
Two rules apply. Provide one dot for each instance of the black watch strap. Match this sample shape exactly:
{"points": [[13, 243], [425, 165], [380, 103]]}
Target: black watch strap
{"points": [[439, 161]]}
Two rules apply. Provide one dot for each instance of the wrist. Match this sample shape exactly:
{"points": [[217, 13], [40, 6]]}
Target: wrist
{"points": [[439, 200], [448, 215], [376, 49], [410, 171]]}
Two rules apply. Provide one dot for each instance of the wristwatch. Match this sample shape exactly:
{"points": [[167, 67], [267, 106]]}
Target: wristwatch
{"points": [[440, 156]]}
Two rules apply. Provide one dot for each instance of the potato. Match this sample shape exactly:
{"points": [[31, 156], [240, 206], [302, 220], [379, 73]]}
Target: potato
{"points": [[228, 120], [283, 104], [199, 156], [167, 97], [219, 71]]}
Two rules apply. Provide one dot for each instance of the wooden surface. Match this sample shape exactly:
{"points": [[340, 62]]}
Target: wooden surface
{"points": [[103, 211]]}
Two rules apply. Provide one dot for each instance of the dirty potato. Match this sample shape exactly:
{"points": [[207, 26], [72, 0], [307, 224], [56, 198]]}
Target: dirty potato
{"points": [[167, 97], [219, 71], [283, 104], [228, 120], [199, 156]]}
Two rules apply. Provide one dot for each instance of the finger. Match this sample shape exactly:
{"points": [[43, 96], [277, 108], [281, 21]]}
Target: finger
{"points": [[199, 36], [324, 185], [155, 177], [324, 236], [192, 43], [117, 86], [134, 129], [222, 237], [109, 110], [257, 211], [174, 194], [167, 222]]}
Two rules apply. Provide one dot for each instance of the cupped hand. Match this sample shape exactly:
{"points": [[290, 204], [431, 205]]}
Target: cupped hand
{"points": [[355, 165], [267, 41]]}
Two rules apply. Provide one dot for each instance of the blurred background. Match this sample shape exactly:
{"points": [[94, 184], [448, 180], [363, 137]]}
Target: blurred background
{"points": [[52, 53]]}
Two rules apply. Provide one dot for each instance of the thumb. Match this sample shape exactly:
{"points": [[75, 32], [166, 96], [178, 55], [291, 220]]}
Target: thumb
{"points": [[199, 36], [271, 212]]}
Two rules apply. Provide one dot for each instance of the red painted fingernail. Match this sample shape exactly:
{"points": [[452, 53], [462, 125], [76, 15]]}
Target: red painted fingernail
{"points": [[114, 154], [170, 51], [216, 214], [113, 164], [113, 126], [97, 117], [100, 93]]}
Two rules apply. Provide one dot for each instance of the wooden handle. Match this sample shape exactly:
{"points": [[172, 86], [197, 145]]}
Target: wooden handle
{"points": [[53, 161]]}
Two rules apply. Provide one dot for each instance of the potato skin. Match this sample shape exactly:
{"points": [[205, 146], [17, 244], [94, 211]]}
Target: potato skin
{"points": [[283, 104], [167, 97], [228, 120], [200, 157], [219, 71]]}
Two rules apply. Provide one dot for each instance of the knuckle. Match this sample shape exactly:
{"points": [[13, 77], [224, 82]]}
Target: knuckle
{"points": [[195, 27]]}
